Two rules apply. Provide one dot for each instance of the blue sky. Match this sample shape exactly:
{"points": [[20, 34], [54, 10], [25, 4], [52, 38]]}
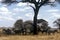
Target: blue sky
{"points": [[9, 14]]}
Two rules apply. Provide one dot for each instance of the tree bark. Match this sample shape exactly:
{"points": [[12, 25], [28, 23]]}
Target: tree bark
{"points": [[35, 32]]}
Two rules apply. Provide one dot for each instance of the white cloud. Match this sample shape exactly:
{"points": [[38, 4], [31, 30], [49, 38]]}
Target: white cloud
{"points": [[6, 14], [0, 17], [7, 18], [0, 0], [25, 5], [27, 8], [17, 10], [22, 9], [19, 17], [56, 15], [29, 15], [53, 10], [21, 4], [4, 9]]}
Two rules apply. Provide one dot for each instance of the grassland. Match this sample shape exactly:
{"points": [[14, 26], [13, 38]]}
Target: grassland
{"points": [[55, 36]]}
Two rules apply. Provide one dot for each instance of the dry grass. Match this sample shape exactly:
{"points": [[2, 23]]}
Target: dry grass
{"points": [[31, 37]]}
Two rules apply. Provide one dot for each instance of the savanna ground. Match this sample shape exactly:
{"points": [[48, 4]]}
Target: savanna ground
{"points": [[55, 36]]}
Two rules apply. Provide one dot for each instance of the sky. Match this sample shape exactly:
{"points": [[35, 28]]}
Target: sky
{"points": [[10, 14]]}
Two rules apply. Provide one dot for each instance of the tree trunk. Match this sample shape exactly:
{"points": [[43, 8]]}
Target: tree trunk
{"points": [[35, 32]]}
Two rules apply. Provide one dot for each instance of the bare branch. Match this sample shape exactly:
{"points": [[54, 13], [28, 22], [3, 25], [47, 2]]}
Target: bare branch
{"points": [[32, 7], [38, 1], [15, 1], [43, 2], [30, 1]]}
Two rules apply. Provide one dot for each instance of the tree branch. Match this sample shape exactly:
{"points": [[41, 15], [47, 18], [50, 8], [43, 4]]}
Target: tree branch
{"points": [[38, 0], [30, 1], [43, 2], [32, 7]]}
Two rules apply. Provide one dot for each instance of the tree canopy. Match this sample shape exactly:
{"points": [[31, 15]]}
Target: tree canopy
{"points": [[39, 2]]}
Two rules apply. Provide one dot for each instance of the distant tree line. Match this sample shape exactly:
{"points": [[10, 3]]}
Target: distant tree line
{"points": [[26, 27]]}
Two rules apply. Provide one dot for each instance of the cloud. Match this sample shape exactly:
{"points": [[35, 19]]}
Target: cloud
{"points": [[6, 18], [26, 8], [0, 0], [6, 14], [26, 5], [21, 4], [56, 15], [17, 10], [19, 17], [29, 14], [4, 9], [9, 18], [52, 18], [53, 10]]}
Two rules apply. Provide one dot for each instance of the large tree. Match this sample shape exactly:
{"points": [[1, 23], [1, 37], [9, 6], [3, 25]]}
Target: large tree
{"points": [[37, 5]]}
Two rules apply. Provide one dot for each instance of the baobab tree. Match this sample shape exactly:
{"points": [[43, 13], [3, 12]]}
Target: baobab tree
{"points": [[37, 5]]}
